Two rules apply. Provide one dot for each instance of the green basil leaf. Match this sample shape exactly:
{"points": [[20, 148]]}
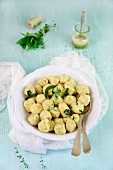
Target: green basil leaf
{"points": [[65, 93], [47, 89], [30, 94], [23, 46], [34, 40], [57, 93], [22, 41], [30, 35]]}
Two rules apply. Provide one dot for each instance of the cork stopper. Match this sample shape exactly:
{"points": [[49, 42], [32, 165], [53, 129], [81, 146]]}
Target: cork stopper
{"points": [[34, 22]]}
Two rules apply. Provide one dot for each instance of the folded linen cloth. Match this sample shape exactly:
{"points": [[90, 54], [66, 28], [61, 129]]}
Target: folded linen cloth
{"points": [[19, 133]]}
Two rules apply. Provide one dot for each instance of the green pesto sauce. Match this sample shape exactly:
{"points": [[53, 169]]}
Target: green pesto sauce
{"points": [[80, 40]]}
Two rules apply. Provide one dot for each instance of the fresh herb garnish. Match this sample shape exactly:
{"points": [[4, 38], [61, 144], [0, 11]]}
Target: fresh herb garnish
{"points": [[80, 111], [34, 40], [70, 107], [42, 163], [67, 111], [22, 160], [30, 94], [27, 98], [57, 93], [47, 89], [65, 93]]}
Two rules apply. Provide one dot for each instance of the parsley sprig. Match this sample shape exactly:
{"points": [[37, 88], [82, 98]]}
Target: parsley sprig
{"points": [[34, 40], [22, 160], [57, 93], [65, 93], [30, 94], [67, 111]]}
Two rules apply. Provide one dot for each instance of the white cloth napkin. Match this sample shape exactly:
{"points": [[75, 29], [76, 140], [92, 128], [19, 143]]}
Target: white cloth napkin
{"points": [[5, 82], [19, 133]]}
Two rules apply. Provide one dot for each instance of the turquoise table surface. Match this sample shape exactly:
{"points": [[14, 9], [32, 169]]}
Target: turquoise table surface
{"points": [[66, 13]]}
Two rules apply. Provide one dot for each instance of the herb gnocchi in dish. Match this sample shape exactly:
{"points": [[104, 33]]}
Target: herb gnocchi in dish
{"points": [[55, 103]]}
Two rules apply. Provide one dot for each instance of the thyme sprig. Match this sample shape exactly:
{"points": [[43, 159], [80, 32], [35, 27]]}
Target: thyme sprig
{"points": [[42, 163], [22, 160]]}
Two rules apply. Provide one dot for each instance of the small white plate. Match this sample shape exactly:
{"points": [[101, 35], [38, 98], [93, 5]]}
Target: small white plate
{"points": [[49, 71]]}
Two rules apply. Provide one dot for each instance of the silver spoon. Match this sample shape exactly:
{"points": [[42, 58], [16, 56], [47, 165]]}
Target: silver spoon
{"points": [[83, 15], [86, 142], [76, 147]]}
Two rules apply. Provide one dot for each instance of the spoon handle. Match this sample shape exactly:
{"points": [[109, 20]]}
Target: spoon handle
{"points": [[86, 142], [76, 146], [82, 19]]}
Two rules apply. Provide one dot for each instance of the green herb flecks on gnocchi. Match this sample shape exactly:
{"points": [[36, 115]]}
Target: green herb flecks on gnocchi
{"points": [[55, 103]]}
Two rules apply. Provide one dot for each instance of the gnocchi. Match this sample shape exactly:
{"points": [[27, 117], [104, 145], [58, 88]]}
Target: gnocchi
{"points": [[66, 118], [33, 119], [63, 108], [82, 89], [55, 104], [45, 115], [29, 88], [48, 104], [55, 112], [76, 118], [60, 129], [40, 98], [58, 120], [70, 87], [57, 100], [38, 89], [72, 82], [36, 108], [52, 125], [28, 103], [64, 78], [84, 99], [44, 125], [77, 107], [42, 82], [53, 80], [70, 125], [70, 99]]}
